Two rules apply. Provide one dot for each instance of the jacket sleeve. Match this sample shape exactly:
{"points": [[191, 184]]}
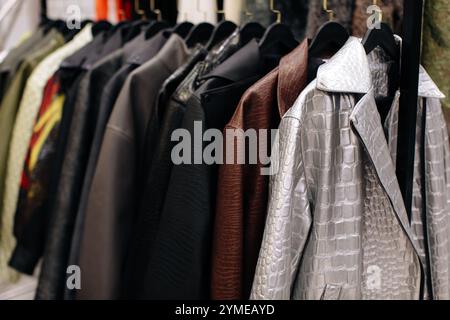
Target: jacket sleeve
{"points": [[228, 243], [30, 222], [180, 261], [110, 206], [288, 220]]}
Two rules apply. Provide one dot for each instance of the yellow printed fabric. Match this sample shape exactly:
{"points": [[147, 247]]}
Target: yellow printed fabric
{"points": [[22, 132], [45, 125]]}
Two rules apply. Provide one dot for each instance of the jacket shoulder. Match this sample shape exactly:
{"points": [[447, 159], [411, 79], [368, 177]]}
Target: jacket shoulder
{"points": [[307, 102], [258, 99]]}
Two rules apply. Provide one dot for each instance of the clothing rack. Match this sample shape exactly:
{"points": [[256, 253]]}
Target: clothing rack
{"points": [[412, 30], [409, 81]]}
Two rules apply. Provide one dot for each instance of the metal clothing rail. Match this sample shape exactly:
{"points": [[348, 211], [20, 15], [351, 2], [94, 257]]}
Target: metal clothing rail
{"points": [[409, 81], [407, 126]]}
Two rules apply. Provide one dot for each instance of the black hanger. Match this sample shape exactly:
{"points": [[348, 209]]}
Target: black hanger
{"points": [[134, 29], [60, 26], [277, 35], [44, 22], [69, 34], [201, 33], [155, 27], [102, 25], [330, 38], [222, 31], [49, 24], [183, 29], [117, 27], [384, 38], [251, 30]]}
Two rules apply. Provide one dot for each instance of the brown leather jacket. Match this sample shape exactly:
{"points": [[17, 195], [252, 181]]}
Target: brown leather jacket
{"points": [[242, 191]]}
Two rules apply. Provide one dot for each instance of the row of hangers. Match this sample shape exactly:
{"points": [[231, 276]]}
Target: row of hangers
{"points": [[328, 40], [332, 36], [211, 35]]}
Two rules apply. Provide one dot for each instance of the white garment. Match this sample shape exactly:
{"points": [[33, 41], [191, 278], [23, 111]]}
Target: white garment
{"points": [[21, 19], [23, 130], [197, 11]]}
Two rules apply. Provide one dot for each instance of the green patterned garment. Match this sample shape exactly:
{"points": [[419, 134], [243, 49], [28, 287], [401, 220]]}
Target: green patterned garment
{"points": [[436, 47]]}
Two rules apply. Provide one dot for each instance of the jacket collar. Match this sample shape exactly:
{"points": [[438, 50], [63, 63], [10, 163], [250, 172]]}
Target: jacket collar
{"points": [[243, 64], [348, 72], [114, 39], [366, 120], [140, 52], [88, 54], [174, 52], [292, 76]]}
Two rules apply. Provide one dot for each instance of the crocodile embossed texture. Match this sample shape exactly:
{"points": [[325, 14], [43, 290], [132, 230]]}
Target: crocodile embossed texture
{"points": [[379, 66], [390, 268], [330, 223], [437, 169], [437, 190], [337, 227]]}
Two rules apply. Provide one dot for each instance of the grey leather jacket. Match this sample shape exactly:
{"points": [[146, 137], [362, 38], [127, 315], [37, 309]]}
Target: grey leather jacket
{"points": [[337, 227]]}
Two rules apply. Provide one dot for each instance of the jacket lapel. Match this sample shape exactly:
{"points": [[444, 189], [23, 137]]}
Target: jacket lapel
{"points": [[366, 121], [348, 72]]}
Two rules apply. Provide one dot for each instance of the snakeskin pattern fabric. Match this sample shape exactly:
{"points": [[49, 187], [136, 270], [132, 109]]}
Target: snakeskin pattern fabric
{"points": [[337, 227]]}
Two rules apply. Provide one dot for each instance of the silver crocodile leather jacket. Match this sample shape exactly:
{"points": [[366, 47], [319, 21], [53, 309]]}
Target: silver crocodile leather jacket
{"points": [[337, 227]]}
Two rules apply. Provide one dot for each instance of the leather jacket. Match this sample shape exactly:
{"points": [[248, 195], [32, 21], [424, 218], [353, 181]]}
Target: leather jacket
{"points": [[242, 192], [158, 176], [109, 216], [337, 226], [187, 267]]}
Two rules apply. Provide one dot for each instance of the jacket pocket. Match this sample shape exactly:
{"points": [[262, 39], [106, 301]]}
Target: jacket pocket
{"points": [[331, 292]]}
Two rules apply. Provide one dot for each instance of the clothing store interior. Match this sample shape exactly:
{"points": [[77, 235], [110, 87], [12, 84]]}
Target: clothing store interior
{"points": [[224, 150]]}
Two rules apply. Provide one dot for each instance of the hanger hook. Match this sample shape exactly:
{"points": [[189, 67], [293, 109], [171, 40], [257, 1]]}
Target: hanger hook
{"points": [[330, 12], [277, 12], [138, 10], [155, 10]]}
